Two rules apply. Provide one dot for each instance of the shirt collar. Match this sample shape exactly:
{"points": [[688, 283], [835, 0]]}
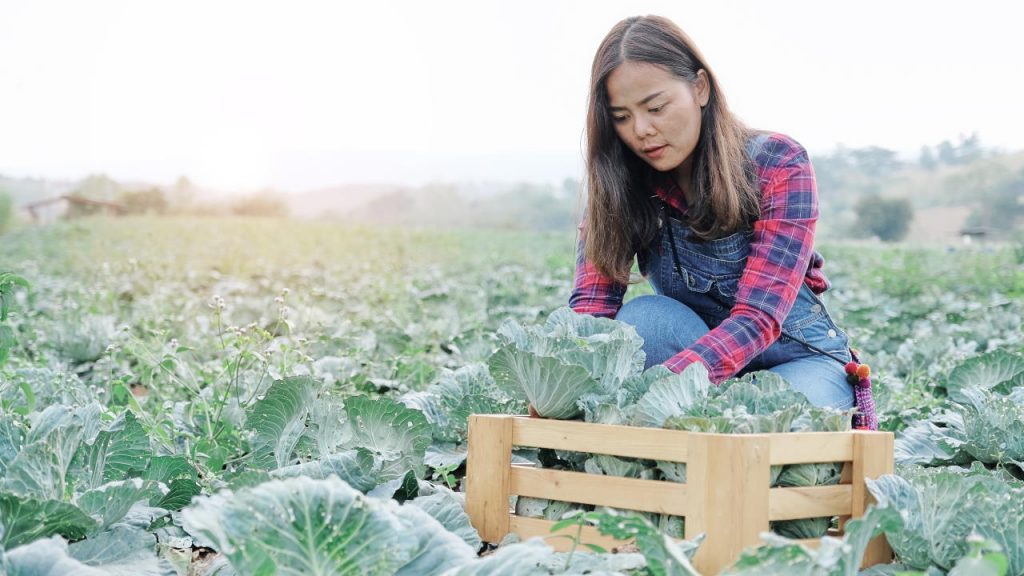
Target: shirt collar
{"points": [[669, 191]]}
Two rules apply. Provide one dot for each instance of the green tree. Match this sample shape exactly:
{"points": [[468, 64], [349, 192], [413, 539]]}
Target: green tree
{"points": [[876, 161], [887, 218], [151, 200], [98, 187], [1001, 207], [182, 194], [927, 159], [6, 208], [978, 181], [571, 188], [265, 203], [969, 148], [832, 172], [946, 152]]}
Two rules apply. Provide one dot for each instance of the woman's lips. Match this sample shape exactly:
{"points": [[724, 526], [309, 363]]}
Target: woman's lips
{"points": [[655, 153]]}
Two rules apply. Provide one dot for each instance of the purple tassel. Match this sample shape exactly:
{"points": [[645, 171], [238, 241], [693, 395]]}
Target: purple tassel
{"points": [[865, 418]]}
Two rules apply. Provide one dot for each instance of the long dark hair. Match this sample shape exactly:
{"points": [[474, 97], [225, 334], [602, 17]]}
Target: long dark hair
{"points": [[622, 212]]}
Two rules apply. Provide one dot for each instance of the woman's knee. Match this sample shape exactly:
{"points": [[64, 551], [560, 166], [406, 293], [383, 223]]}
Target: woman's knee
{"points": [[666, 325], [820, 379]]}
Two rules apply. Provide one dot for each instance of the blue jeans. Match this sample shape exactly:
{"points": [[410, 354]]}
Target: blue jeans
{"points": [[669, 326]]}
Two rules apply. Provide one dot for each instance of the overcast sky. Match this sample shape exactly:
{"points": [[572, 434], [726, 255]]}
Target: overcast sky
{"points": [[298, 94]]}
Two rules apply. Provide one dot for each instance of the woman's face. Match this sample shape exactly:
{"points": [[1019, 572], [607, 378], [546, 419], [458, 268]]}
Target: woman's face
{"points": [[657, 114]]}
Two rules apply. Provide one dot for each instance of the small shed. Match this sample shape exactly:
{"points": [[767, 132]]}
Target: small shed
{"points": [[69, 206], [970, 234]]}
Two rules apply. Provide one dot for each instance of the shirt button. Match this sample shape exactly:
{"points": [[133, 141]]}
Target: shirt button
{"points": [[831, 333], [816, 308]]}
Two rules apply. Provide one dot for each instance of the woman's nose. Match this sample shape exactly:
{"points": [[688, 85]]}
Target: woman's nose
{"points": [[642, 127]]}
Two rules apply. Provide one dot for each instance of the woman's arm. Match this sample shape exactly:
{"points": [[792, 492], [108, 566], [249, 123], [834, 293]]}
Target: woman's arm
{"points": [[780, 252], [592, 292]]}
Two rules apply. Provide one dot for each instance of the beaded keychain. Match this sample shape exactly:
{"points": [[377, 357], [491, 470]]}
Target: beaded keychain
{"points": [[859, 376]]}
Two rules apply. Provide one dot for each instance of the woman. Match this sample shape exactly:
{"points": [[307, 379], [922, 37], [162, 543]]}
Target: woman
{"points": [[719, 217]]}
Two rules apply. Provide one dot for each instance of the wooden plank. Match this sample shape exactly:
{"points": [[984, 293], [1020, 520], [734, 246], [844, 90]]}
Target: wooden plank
{"points": [[529, 527], [809, 502], [811, 447], [873, 457], [487, 475], [728, 478], [628, 493], [630, 441], [846, 477]]}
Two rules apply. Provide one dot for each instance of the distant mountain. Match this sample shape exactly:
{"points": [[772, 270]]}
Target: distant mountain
{"points": [[369, 201], [338, 201], [971, 188]]}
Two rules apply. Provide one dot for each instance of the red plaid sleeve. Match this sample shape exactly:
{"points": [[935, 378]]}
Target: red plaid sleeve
{"points": [[593, 293], [780, 253]]}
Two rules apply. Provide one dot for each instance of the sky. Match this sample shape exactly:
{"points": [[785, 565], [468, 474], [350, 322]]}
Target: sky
{"points": [[300, 94]]}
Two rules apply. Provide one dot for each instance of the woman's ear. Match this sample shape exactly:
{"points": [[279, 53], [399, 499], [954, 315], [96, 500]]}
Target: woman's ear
{"points": [[702, 88]]}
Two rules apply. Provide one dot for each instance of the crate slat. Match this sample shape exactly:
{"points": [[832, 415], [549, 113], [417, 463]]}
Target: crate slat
{"points": [[873, 457], [728, 481], [487, 475], [529, 527], [811, 447], [629, 441], [846, 478], [628, 493], [809, 502]]}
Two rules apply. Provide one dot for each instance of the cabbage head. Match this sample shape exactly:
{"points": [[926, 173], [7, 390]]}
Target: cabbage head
{"points": [[570, 357]]}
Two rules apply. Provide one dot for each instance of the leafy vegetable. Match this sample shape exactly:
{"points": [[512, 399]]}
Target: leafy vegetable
{"points": [[942, 507], [119, 452], [835, 557], [394, 434], [997, 369], [359, 468], [446, 508], [279, 419], [993, 426], [572, 356], [320, 527], [111, 502], [935, 441], [122, 551], [23, 520]]}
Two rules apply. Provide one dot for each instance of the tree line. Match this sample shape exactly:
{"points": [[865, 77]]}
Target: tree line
{"points": [[863, 192]]}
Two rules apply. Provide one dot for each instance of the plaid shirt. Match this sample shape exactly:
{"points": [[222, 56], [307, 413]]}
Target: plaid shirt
{"points": [[781, 257]]}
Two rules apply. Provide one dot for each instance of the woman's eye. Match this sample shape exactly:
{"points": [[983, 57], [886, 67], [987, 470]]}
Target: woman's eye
{"points": [[618, 119], [656, 110]]}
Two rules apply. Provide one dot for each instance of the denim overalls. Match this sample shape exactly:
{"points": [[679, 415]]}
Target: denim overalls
{"points": [[710, 280], [712, 271]]}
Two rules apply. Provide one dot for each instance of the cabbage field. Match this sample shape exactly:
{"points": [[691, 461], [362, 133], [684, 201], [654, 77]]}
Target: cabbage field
{"points": [[233, 396]]}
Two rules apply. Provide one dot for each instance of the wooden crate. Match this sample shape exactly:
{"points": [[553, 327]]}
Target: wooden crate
{"points": [[727, 494]]}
